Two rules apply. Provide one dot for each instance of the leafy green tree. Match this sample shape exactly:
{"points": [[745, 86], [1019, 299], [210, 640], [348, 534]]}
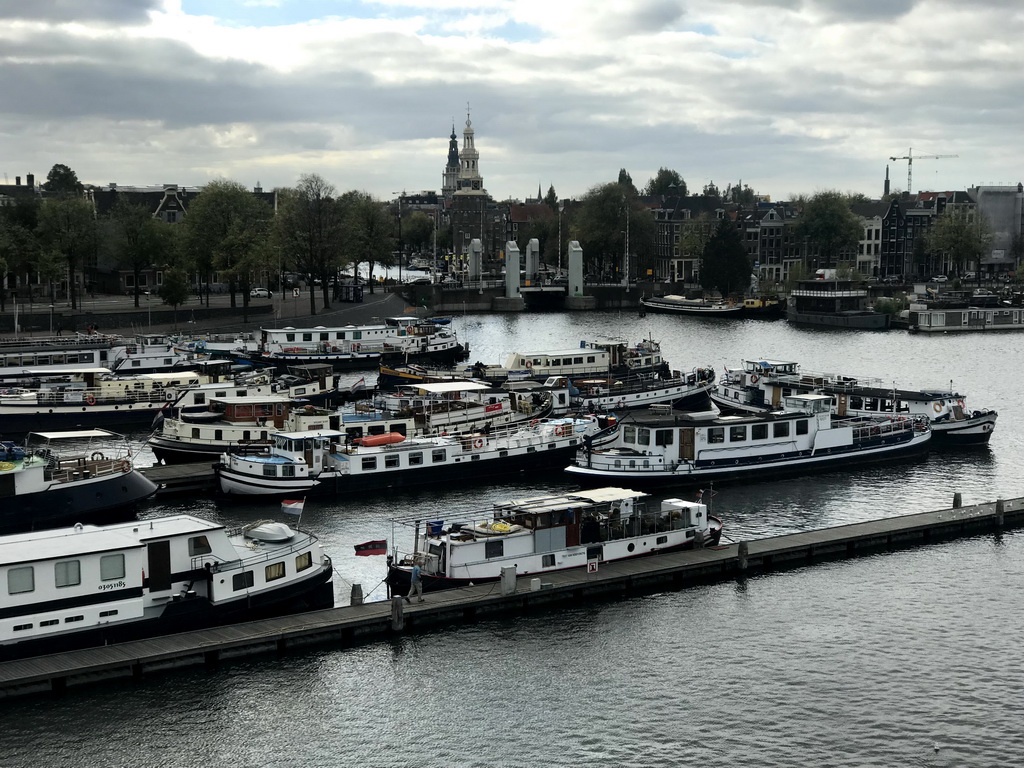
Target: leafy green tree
{"points": [[663, 182], [962, 236], [712, 191], [600, 225], [19, 252], [626, 181], [62, 181], [67, 227], [551, 199], [832, 230], [725, 266], [138, 239], [370, 232], [309, 229], [174, 289], [418, 231]]}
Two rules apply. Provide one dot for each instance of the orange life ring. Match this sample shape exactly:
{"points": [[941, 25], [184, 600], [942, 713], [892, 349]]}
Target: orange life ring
{"points": [[754, 378], [478, 442], [90, 399], [937, 407]]}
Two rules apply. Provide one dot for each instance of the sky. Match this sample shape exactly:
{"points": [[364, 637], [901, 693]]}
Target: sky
{"points": [[787, 97]]}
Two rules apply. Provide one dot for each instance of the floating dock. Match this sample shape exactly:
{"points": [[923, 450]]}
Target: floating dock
{"points": [[182, 478], [350, 625]]}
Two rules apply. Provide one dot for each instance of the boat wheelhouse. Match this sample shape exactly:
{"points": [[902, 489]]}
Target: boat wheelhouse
{"points": [[326, 462], [541, 534], [58, 478], [682, 391], [762, 385], [833, 303], [658, 447], [93, 585]]}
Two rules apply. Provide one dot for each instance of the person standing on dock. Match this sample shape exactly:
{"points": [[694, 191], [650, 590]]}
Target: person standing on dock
{"points": [[415, 585]]}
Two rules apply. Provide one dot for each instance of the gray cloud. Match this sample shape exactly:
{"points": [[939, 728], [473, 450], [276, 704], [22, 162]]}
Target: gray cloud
{"points": [[60, 11]]}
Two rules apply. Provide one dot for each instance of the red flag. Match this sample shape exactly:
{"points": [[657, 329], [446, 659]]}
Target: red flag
{"points": [[379, 547]]}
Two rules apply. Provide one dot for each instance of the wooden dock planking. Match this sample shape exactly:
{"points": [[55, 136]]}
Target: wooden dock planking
{"points": [[349, 624]]}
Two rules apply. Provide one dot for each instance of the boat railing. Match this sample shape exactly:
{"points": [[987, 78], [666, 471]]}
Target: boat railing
{"points": [[67, 469], [80, 340], [260, 554], [92, 395]]}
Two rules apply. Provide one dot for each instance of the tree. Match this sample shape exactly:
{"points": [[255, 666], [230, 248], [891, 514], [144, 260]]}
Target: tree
{"points": [[725, 266], [626, 181], [138, 239], [418, 231], [174, 289], [551, 199], [663, 182], [62, 182], [710, 190], [600, 226], [19, 251], [67, 227], [309, 229], [961, 236], [370, 231], [829, 226]]}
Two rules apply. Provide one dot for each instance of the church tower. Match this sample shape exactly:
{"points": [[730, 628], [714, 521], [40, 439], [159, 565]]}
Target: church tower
{"points": [[470, 181], [451, 170]]}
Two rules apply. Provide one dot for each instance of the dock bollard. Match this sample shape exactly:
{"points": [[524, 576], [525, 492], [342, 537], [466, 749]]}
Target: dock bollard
{"points": [[357, 595], [1000, 509], [957, 501], [741, 554], [397, 614]]}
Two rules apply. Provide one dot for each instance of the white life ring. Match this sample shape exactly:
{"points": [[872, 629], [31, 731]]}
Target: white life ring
{"points": [[478, 442], [937, 407], [169, 394], [754, 378]]}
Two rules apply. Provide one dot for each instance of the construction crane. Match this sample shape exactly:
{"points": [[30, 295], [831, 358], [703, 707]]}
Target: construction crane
{"points": [[909, 157]]}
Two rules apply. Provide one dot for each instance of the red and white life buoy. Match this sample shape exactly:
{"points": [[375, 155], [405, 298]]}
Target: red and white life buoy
{"points": [[409, 329], [960, 403], [528, 364], [90, 399], [478, 442], [754, 378]]}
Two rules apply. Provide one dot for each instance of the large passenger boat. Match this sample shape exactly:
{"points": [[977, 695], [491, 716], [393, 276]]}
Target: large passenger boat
{"points": [[542, 534], [59, 478], [323, 462], [657, 447], [94, 585], [760, 386]]}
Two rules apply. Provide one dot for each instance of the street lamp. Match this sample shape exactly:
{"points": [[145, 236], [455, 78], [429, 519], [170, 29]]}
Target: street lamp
{"points": [[400, 195], [51, 316]]}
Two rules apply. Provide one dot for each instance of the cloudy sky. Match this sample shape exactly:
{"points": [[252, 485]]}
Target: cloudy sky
{"points": [[787, 96]]}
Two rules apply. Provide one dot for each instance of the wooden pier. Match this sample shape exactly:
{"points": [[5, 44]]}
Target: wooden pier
{"points": [[182, 478], [346, 626]]}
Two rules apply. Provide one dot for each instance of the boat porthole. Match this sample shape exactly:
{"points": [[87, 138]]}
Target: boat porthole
{"points": [[631, 547], [51, 410], [83, 407], [116, 407]]}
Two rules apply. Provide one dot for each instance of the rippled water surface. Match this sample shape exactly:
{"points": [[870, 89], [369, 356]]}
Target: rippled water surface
{"points": [[910, 658]]}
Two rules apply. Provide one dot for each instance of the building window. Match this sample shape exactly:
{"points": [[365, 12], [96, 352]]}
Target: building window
{"points": [[111, 567], [20, 580], [67, 573]]}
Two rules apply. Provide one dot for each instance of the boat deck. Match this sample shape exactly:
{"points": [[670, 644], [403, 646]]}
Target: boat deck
{"points": [[346, 626], [182, 478]]}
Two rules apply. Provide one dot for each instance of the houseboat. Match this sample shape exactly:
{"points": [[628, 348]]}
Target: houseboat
{"points": [[323, 462], [56, 353], [153, 353], [606, 394], [456, 406], [657, 447], [361, 346], [589, 359], [59, 478], [680, 305], [966, 319], [833, 303], [93, 585], [538, 535], [762, 385]]}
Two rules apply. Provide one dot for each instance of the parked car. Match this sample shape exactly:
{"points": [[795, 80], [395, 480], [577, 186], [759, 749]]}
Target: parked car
{"points": [[969, 276], [939, 279], [260, 293]]}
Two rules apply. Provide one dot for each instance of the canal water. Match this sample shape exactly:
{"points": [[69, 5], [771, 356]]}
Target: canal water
{"points": [[910, 658]]}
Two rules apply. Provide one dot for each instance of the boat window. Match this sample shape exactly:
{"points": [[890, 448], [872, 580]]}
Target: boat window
{"points": [[339, 336], [661, 540], [716, 435], [391, 460], [218, 394], [548, 561], [72, 619], [629, 434], [68, 573], [438, 455], [737, 434], [111, 567], [303, 561], [325, 337], [369, 462], [199, 545], [307, 337], [577, 360], [195, 433], [643, 436], [591, 359], [21, 580], [288, 470], [759, 432], [242, 580], [218, 434], [274, 571], [494, 549], [49, 622], [20, 627], [104, 614], [289, 337], [801, 427], [780, 429], [664, 436]]}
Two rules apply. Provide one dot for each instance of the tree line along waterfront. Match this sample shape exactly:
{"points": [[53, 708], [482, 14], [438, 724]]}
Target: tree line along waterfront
{"points": [[64, 238]]}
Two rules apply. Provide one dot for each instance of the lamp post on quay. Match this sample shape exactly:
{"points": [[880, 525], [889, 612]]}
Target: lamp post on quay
{"points": [[400, 195]]}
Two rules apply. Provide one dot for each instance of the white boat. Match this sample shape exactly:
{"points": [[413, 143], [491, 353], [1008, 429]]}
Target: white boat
{"points": [[152, 353], [58, 478], [56, 353], [542, 534], [324, 462], [93, 585], [456, 406], [588, 359], [604, 394], [658, 447], [680, 305], [360, 346], [761, 385]]}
